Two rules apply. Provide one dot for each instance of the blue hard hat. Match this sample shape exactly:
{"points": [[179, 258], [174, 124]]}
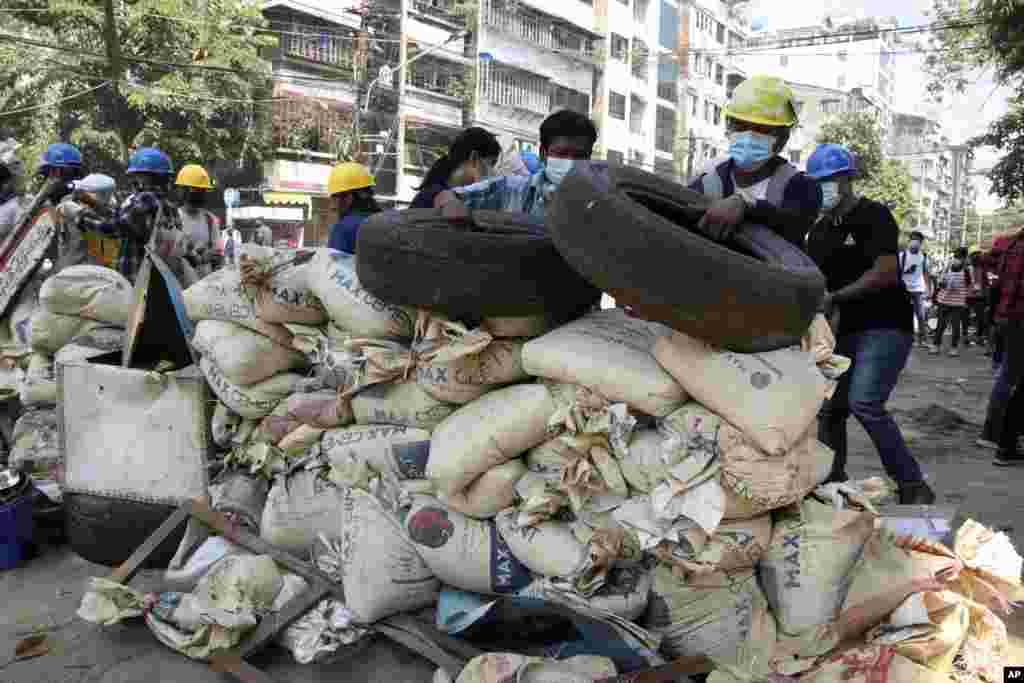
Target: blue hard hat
{"points": [[150, 160], [60, 155], [531, 160], [829, 160]]}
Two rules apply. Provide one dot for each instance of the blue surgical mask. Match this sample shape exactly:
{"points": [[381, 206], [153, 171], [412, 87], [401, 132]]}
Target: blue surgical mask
{"points": [[829, 195], [749, 149], [556, 169]]}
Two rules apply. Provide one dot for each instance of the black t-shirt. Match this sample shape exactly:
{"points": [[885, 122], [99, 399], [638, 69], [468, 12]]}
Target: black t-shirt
{"points": [[846, 251]]}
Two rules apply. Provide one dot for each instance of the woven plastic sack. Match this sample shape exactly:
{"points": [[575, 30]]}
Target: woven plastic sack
{"points": [[91, 292]]}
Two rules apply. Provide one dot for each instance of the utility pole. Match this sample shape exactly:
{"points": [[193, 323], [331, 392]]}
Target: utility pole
{"points": [[113, 45]]}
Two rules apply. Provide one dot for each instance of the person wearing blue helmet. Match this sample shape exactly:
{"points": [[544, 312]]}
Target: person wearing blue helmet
{"points": [[63, 162], [855, 243]]}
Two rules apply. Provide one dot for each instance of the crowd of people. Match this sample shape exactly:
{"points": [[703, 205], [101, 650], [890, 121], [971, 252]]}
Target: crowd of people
{"points": [[876, 292]]}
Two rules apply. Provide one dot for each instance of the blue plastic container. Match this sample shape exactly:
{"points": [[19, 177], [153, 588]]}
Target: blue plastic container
{"points": [[15, 531]]}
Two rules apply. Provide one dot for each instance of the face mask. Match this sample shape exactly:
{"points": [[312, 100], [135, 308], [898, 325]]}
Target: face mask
{"points": [[556, 170], [749, 149], [829, 195], [915, 246]]}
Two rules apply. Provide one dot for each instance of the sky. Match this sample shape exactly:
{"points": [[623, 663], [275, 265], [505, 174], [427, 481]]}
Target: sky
{"points": [[963, 116]]}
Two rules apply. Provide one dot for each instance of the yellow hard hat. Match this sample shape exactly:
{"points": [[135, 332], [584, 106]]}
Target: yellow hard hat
{"points": [[764, 100], [347, 177], [194, 175]]}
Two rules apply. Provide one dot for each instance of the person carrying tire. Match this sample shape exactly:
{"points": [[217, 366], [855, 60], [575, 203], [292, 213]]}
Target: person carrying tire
{"points": [[350, 186], [199, 224], [565, 138], [754, 184], [855, 244], [471, 158]]}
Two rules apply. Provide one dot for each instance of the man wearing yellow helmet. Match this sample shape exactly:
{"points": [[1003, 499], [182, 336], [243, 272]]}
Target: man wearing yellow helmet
{"points": [[754, 184], [199, 225], [351, 187]]}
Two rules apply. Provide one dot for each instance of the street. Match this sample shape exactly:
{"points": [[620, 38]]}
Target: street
{"points": [[44, 595]]}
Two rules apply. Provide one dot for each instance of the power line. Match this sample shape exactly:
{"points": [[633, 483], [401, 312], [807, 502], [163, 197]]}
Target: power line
{"points": [[55, 103]]}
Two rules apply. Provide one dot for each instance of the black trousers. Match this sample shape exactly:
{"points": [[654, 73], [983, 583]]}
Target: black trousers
{"points": [[950, 315]]}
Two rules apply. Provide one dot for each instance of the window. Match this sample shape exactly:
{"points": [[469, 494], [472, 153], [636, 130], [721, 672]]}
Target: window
{"points": [[620, 47], [668, 31], [707, 111], [640, 59], [794, 156], [718, 115], [515, 88], [842, 56], [637, 159], [829, 107], [665, 130], [617, 106], [735, 41], [783, 60], [637, 114], [614, 156], [430, 76], [720, 32], [719, 74], [841, 81], [567, 98]]}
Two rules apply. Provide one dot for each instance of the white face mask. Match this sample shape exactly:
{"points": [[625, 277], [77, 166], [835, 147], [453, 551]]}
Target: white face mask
{"points": [[556, 169], [830, 195]]}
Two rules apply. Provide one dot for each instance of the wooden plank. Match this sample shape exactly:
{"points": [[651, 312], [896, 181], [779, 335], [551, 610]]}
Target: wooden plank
{"points": [[253, 543], [228, 662], [272, 624], [130, 567]]}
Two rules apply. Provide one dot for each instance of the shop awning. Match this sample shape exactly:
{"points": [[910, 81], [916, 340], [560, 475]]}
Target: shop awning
{"points": [[299, 198]]}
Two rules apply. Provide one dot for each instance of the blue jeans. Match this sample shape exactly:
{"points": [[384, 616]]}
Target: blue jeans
{"points": [[1002, 415], [917, 298], [879, 357]]}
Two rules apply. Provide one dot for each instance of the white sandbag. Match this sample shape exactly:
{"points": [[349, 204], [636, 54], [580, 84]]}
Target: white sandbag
{"points": [[377, 563], [389, 449], [806, 568], [36, 439], [245, 357], [504, 667], [91, 292], [650, 459], [548, 548], [298, 508], [465, 553], [18, 322], [399, 403], [772, 397], [74, 351], [183, 577], [278, 283], [351, 307], [253, 401], [486, 433], [469, 377], [219, 296], [712, 615], [490, 493], [51, 331], [318, 409], [609, 352], [39, 386]]}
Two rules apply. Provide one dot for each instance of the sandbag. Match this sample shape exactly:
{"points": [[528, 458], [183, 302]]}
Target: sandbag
{"points": [[36, 439], [106, 338], [772, 397], [927, 628], [91, 292], [805, 571], [224, 425], [318, 409], [351, 307], [219, 296], [547, 548], [488, 432], [394, 450], [580, 466], [399, 403], [245, 357], [51, 331], [75, 351], [754, 481], [300, 440], [610, 353], [18, 323], [298, 508], [502, 667], [39, 386], [254, 401], [714, 615], [526, 327], [465, 553], [469, 377], [491, 492], [649, 459], [870, 664], [377, 563], [278, 282], [735, 545]]}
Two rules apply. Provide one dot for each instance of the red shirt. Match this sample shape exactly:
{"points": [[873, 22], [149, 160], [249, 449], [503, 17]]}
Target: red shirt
{"points": [[1008, 256]]}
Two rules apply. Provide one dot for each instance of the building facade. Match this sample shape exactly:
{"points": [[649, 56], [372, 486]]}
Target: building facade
{"points": [[815, 105]]}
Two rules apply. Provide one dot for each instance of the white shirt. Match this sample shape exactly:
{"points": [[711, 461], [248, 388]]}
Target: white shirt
{"points": [[913, 271], [757, 191]]}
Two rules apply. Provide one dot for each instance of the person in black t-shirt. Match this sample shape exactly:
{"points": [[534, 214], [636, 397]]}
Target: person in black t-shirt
{"points": [[855, 243]]}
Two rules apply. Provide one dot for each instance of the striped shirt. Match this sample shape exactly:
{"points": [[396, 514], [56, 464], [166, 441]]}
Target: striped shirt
{"points": [[954, 289]]}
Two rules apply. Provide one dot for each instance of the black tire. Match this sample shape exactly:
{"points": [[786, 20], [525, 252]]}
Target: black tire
{"points": [[502, 263], [634, 236], [108, 530]]}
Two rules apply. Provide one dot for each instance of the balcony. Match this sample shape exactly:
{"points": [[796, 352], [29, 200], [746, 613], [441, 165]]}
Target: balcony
{"points": [[537, 29], [665, 140], [325, 49]]}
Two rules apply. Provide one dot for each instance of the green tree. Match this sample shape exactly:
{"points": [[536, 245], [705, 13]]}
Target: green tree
{"points": [[983, 35], [113, 75], [885, 180]]}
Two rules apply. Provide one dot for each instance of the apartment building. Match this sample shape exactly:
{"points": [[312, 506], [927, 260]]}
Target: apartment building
{"points": [[919, 141], [837, 52], [815, 105]]}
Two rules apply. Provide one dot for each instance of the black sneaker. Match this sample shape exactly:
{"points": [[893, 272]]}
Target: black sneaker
{"points": [[916, 493], [1008, 459]]}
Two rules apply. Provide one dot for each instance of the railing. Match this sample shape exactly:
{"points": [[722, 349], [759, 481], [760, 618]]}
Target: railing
{"points": [[515, 88], [535, 29], [324, 49]]}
